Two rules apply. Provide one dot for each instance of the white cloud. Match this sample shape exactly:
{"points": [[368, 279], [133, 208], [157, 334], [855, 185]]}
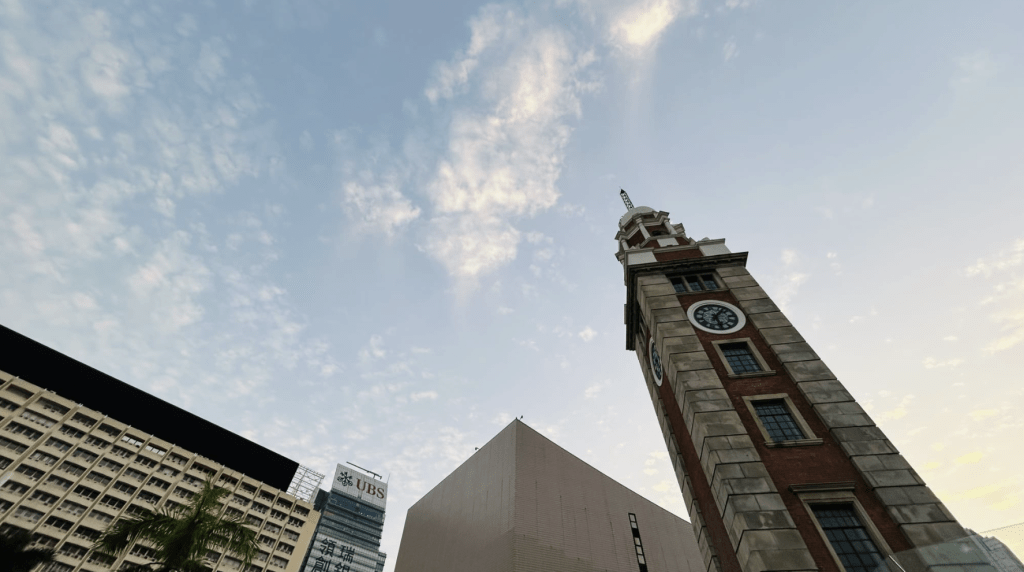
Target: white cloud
{"points": [[378, 207], [374, 350], [787, 284], [1007, 297], [973, 68], [432, 395], [900, 411], [932, 363], [504, 311], [587, 334], [506, 143], [1001, 262], [169, 283], [494, 22], [730, 50], [637, 28]]}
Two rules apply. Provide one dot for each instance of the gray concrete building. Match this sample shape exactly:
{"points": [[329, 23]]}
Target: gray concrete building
{"points": [[347, 537], [80, 449], [522, 503]]}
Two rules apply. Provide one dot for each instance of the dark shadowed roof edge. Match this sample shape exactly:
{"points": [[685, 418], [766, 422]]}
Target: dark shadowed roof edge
{"points": [[71, 379]]}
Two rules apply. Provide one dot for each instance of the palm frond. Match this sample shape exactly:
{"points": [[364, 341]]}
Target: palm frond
{"points": [[182, 536]]}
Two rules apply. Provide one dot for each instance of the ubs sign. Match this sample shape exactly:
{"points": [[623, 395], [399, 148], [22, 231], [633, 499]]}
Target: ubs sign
{"points": [[361, 486]]}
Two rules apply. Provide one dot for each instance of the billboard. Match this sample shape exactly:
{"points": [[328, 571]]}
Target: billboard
{"points": [[360, 486], [327, 554]]}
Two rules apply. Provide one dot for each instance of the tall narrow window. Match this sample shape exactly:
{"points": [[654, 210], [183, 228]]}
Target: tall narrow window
{"points": [[777, 420], [740, 358], [709, 282], [848, 537], [641, 559]]}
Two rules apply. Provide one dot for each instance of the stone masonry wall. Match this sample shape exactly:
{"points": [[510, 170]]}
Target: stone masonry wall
{"points": [[760, 529]]}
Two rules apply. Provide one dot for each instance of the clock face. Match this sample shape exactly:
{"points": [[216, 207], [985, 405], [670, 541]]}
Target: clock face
{"points": [[716, 317], [656, 364]]}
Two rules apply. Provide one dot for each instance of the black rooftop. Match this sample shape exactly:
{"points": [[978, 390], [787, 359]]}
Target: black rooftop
{"points": [[71, 379]]}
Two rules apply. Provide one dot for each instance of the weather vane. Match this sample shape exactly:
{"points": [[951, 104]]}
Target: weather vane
{"points": [[625, 199]]}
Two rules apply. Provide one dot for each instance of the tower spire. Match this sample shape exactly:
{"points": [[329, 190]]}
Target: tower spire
{"points": [[625, 199]]}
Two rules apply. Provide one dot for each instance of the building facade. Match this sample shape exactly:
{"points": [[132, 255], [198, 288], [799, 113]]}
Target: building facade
{"points": [[523, 504], [347, 536], [68, 470], [780, 467]]}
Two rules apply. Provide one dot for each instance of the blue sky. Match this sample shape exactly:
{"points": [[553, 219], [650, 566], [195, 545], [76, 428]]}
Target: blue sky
{"points": [[377, 232]]}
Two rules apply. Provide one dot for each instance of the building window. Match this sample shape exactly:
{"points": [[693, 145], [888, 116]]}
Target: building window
{"points": [[741, 358], [98, 478], [136, 442], [83, 420], [780, 422], [72, 432], [19, 429], [37, 418], [777, 420], [855, 543], [44, 497], [52, 406], [84, 455], [59, 523], [641, 558], [110, 465], [17, 447], [96, 442], [694, 283], [848, 536], [58, 482], [29, 472], [55, 443]]}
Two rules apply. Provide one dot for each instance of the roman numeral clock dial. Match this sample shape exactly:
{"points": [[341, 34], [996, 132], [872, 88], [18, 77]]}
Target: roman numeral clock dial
{"points": [[716, 317]]}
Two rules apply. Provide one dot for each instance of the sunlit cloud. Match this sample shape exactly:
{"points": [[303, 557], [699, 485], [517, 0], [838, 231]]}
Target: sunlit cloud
{"points": [[637, 28], [932, 363], [1007, 295], [970, 458]]}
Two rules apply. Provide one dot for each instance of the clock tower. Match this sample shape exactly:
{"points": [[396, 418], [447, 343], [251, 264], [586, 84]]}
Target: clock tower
{"points": [[780, 468]]}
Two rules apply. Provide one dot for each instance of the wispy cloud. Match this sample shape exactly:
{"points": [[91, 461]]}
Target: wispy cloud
{"points": [[932, 363], [113, 124], [788, 283], [1007, 295], [730, 50], [510, 124], [973, 68]]}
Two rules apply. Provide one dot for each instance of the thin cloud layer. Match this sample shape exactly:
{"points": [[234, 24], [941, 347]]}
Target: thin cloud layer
{"points": [[506, 138], [1006, 301]]}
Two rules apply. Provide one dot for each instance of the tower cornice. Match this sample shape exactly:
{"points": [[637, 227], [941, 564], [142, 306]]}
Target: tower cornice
{"points": [[680, 266]]}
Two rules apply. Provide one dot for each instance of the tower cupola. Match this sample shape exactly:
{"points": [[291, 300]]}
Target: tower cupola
{"points": [[643, 227]]}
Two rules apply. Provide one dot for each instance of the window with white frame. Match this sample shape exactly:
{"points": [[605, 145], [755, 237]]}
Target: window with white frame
{"points": [[698, 282], [852, 538], [741, 358], [779, 421]]}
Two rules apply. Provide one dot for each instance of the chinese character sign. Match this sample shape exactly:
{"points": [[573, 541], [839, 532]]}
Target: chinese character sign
{"points": [[332, 555]]}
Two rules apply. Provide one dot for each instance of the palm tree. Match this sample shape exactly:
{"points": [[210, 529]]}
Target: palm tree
{"points": [[182, 536], [15, 554]]}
